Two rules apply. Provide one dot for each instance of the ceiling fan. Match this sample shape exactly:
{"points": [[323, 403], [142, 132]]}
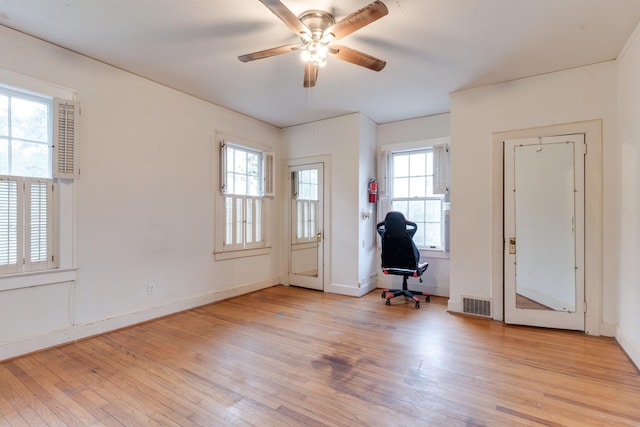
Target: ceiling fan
{"points": [[317, 30]]}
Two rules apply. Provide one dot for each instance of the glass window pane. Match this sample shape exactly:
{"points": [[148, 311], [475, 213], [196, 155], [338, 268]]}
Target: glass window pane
{"points": [[244, 171], [240, 183], [412, 194], [400, 188], [400, 206], [417, 164], [4, 115], [231, 159], [4, 156], [29, 120], [416, 212], [417, 186], [240, 161], [253, 185], [400, 165], [252, 164], [30, 159], [419, 237], [433, 234], [433, 210]]}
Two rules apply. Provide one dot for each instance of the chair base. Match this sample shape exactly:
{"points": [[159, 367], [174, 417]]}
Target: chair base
{"points": [[413, 295]]}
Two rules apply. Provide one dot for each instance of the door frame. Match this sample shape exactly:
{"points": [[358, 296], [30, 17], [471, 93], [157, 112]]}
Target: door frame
{"points": [[592, 130], [326, 232]]}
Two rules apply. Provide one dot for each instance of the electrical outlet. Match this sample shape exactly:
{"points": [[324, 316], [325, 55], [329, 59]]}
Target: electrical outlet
{"points": [[151, 289]]}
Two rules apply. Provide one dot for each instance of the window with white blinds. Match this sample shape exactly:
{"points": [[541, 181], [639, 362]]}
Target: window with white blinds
{"points": [[32, 129], [243, 186]]}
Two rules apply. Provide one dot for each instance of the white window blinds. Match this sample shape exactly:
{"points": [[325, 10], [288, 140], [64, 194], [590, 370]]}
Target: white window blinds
{"points": [[269, 171], [26, 224], [65, 139], [440, 159], [10, 225]]}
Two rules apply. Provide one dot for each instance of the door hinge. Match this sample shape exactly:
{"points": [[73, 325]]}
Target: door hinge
{"points": [[585, 307]]}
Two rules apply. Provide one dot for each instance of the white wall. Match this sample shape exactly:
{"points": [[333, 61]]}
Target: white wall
{"points": [[368, 265], [144, 205], [628, 217], [339, 139], [583, 94], [436, 278]]}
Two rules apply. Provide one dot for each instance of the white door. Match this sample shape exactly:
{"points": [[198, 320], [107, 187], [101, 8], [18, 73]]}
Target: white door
{"points": [[544, 231], [306, 241]]}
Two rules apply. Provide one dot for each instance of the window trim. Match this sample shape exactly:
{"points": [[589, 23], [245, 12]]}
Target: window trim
{"points": [[63, 201], [385, 187], [220, 250]]}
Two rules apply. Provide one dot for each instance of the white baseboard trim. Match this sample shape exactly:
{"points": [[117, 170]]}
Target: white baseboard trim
{"points": [[79, 331], [454, 306], [352, 291], [629, 346], [608, 329]]}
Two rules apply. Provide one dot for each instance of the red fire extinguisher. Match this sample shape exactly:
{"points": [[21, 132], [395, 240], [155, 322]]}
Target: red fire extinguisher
{"points": [[373, 191]]}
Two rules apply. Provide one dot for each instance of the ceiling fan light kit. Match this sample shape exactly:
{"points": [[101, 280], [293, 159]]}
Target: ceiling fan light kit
{"points": [[317, 29]]}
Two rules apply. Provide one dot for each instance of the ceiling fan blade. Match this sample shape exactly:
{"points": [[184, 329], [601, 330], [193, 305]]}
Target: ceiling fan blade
{"points": [[357, 20], [357, 57], [286, 16], [268, 52], [310, 74]]}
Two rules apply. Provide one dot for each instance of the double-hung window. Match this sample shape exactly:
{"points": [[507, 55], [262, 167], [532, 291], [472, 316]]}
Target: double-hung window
{"points": [[245, 180], [27, 207], [417, 188]]}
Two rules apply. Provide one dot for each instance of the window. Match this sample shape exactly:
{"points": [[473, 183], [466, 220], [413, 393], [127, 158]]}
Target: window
{"points": [[412, 175], [246, 177], [305, 213], [28, 224], [25, 135]]}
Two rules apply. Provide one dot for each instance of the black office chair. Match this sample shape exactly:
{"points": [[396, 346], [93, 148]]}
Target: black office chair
{"points": [[400, 256]]}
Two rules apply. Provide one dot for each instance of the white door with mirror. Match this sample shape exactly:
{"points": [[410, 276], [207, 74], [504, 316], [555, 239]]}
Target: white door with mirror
{"points": [[306, 239], [544, 231]]}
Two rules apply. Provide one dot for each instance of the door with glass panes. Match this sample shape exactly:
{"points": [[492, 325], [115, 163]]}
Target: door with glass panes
{"points": [[306, 243]]}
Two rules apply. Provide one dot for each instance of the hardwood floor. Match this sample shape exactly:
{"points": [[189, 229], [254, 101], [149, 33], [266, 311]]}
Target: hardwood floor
{"points": [[286, 356]]}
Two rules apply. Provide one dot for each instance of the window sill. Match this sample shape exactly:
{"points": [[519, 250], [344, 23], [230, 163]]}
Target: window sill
{"points": [[434, 254], [9, 282], [244, 253]]}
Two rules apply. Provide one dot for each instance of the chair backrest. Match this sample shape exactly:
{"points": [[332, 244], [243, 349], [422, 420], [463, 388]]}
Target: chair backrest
{"points": [[398, 248]]}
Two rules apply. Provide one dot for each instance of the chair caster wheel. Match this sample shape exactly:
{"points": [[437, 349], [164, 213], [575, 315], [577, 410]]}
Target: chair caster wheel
{"points": [[417, 305], [427, 299], [387, 302], [384, 294]]}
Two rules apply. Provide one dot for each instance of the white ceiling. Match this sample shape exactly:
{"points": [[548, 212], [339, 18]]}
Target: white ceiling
{"points": [[432, 48]]}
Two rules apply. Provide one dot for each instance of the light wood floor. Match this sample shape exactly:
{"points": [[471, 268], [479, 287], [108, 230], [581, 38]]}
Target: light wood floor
{"points": [[294, 357]]}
